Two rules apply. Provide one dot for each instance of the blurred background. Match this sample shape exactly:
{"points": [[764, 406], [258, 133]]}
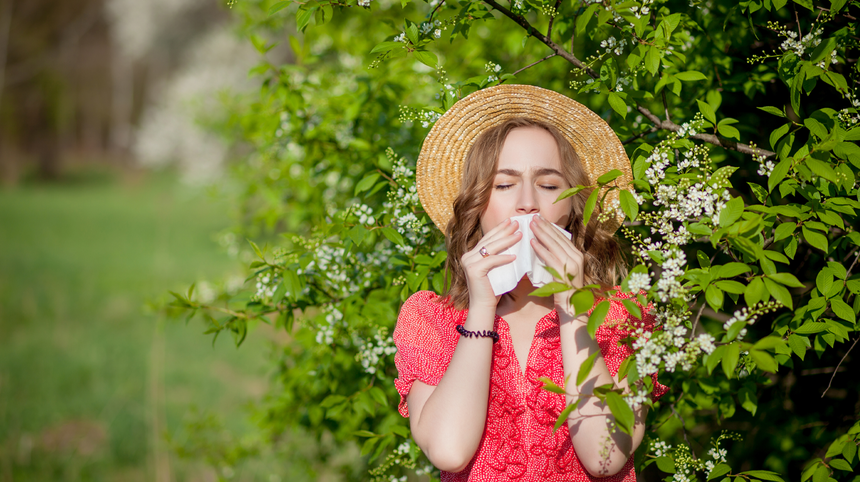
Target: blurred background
{"points": [[107, 201]]}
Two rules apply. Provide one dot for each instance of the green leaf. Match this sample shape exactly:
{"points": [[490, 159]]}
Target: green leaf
{"points": [[609, 177], [550, 386], [628, 204], [842, 310], [427, 58], [632, 308], [707, 111], [714, 297], [589, 207], [392, 235], [550, 289], [731, 212], [366, 183], [778, 174], [764, 475], [773, 110], [798, 345], [764, 361], [666, 464], [754, 292], [822, 169], [814, 238], [730, 359], [570, 192], [841, 465], [727, 130], [652, 59], [304, 17], [278, 7], [760, 192], [411, 32], [597, 316], [784, 230], [622, 412], [618, 104], [582, 300], [718, 471], [562, 417], [731, 286], [730, 270], [824, 280], [777, 134], [811, 328], [748, 400], [585, 368], [779, 292], [787, 279], [386, 47], [690, 76]]}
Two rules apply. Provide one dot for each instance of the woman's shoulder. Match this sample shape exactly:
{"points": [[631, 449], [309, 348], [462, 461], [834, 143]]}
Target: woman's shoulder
{"points": [[426, 311]]}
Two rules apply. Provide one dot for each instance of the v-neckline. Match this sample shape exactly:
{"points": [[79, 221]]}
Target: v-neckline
{"points": [[523, 369]]}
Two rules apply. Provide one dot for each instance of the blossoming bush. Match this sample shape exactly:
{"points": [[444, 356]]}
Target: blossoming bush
{"points": [[741, 123]]}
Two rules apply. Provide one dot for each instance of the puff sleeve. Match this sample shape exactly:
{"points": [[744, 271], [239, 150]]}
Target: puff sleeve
{"points": [[616, 327], [425, 338]]}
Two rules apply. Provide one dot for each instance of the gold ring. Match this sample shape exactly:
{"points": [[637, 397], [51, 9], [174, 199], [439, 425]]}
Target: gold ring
{"points": [[483, 252]]}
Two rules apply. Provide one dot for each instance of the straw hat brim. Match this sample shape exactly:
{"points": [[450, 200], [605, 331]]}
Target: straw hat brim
{"points": [[439, 169]]}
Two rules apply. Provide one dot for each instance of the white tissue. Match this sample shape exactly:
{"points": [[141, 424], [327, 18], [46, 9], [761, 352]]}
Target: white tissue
{"points": [[506, 277]]}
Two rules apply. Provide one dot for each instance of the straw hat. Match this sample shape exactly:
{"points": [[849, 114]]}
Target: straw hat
{"points": [[440, 164]]}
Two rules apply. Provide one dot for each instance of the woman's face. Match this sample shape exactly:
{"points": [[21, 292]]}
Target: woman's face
{"points": [[528, 180]]}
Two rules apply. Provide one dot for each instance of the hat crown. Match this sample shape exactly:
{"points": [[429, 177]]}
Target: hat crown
{"points": [[440, 163]]}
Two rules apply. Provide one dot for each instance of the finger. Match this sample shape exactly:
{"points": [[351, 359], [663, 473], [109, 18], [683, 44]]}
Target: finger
{"points": [[484, 265], [554, 239], [500, 244], [546, 256], [494, 235], [505, 225]]}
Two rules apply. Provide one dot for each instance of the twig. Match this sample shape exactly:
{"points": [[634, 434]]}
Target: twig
{"points": [[441, 2], [683, 429], [696, 321], [641, 134], [532, 65], [848, 273], [665, 125], [551, 19], [844, 14], [665, 106], [837, 366]]}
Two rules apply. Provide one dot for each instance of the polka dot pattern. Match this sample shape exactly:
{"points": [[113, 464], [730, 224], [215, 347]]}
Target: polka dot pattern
{"points": [[518, 441]]}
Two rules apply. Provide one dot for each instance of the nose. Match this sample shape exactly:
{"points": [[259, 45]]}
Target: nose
{"points": [[527, 200]]}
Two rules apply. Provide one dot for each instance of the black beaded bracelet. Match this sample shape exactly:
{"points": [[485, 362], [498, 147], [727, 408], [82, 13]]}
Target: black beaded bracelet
{"points": [[478, 334]]}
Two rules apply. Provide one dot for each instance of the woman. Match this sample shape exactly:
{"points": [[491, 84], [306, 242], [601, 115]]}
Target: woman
{"points": [[469, 361]]}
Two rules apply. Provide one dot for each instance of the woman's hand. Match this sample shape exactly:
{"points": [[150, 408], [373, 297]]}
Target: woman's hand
{"points": [[477, 266], [560, 254]]}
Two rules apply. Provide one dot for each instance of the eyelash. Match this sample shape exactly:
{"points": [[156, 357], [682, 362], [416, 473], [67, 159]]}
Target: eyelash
{"points": [[504, 187]]}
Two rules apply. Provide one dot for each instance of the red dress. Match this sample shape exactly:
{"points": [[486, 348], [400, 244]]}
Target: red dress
{"points": [[518, 443]]}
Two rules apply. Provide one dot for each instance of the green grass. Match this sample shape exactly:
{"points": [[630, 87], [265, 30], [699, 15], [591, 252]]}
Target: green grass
{"points": [[90, 380]]}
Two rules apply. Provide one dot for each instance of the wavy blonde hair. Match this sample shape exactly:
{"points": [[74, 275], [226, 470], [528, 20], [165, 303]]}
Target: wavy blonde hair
{"points": [[604, 262]]}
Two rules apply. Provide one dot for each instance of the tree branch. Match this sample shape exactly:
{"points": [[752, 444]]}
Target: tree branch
{"points": [[532, 65], [665, 125], [837, 366], [551, 19], [641, 134]]}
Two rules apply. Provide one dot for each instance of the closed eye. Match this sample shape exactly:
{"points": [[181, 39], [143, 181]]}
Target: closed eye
{"points": [[502, 187], [551, 188]]}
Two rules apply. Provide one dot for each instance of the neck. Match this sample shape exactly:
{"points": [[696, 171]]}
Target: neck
{"points": [[518, 298]]}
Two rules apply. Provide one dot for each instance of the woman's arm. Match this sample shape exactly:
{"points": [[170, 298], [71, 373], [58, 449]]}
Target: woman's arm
{"points": [[448, 420], [602, 453]]}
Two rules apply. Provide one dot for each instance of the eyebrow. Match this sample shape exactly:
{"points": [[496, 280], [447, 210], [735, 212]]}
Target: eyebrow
{"points": [[544, 171]]}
